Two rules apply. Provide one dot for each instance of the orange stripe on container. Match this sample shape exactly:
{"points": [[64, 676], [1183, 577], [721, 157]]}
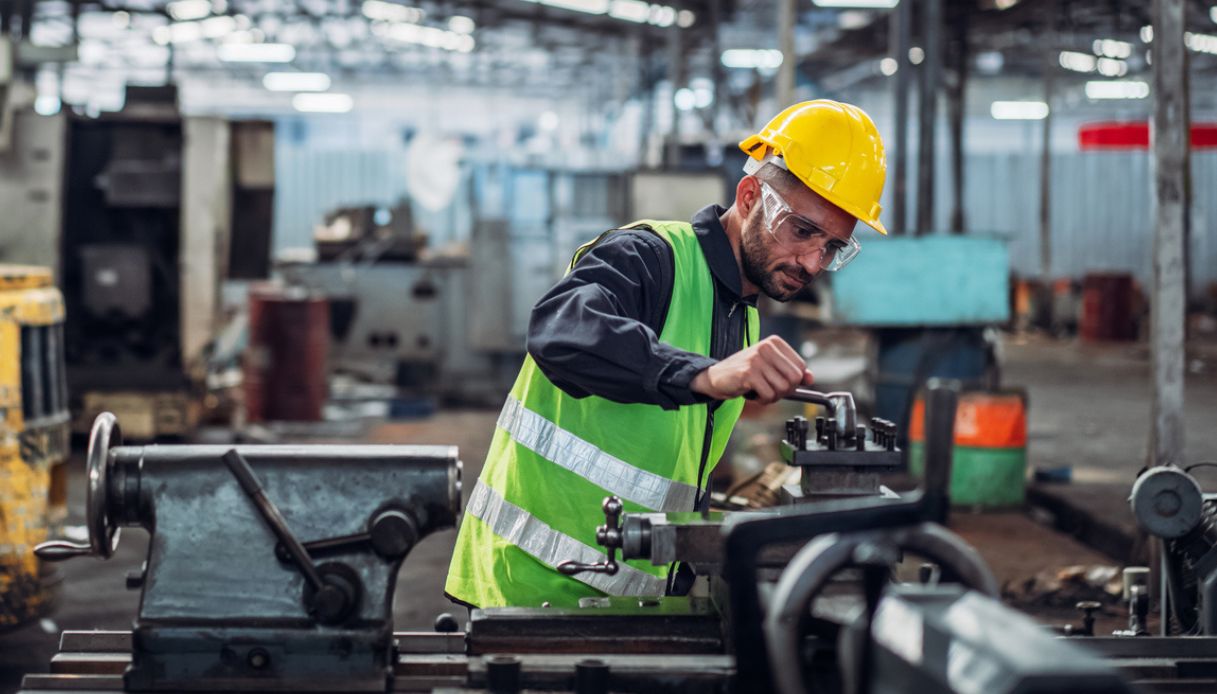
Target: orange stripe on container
{"points": [[982, 420]]}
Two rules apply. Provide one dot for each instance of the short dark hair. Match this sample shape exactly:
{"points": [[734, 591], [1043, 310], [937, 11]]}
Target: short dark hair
{"points": [[779, 178]]}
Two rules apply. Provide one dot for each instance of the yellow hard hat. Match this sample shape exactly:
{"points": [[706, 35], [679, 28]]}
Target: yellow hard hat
{"points": [[834, 149]]}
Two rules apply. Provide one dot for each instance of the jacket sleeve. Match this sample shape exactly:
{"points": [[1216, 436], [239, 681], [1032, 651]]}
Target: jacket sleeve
{"points": [[596, 331]]}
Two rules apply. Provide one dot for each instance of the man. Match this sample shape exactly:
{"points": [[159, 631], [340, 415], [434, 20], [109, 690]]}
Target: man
{"points": [[639, 358]]}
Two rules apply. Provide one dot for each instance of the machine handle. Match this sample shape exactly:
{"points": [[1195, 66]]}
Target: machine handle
{"points": [[608, 536], [58, 550], [245, 477]]}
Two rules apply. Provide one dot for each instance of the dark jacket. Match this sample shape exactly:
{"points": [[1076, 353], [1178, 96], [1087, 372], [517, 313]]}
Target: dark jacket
{"points": [[596, 332]]}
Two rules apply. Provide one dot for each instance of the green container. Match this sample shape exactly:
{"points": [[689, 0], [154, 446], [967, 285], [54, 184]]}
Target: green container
{"points": [[987, 478]]}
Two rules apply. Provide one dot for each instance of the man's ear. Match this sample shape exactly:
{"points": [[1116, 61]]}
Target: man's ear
{"points": [[747, 195]]}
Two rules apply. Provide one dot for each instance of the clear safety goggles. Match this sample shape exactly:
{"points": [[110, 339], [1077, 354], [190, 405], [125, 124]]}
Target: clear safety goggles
{"points": [[801, 236]]}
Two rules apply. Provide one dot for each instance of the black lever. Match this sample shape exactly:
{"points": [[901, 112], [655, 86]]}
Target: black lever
{"points": [[608, 536], [331, 601], [392, 533]]}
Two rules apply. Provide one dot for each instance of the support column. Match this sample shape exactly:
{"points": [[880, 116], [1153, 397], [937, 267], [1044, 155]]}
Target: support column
{"points": [[902, 32], [931, 76], [787, 17], [955, 116], [1170, 138], [1050, 67]]}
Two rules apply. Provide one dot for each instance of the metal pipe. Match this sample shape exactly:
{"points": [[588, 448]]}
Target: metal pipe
{"points": [[787, 18], [1049, 72], [955, 109], [931, 69], [940, 404], [902, 29]]}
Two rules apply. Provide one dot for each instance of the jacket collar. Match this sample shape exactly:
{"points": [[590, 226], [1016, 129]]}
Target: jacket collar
{"points": [[716, 247]]}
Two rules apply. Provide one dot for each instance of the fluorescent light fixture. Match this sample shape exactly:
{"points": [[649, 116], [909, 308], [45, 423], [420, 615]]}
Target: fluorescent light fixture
{"points": [[865, 4], [1078, 62], [323, 103], [635, 11], [391, 11], [747, 58], [47, 105], [1111, 48], [916, 55], [431, 37], [296, 81], [256, 53], [186, 10], [1201, 43], [1019, 110], [1110, 67], [218, 27], [1147, 33], [685, 99], [685, 19], [588, 6], [888, 66], [1131, 89], [461, 24]]}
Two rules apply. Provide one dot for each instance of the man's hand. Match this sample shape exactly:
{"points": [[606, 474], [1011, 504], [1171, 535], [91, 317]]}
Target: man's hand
{"points": [[770, 368]]}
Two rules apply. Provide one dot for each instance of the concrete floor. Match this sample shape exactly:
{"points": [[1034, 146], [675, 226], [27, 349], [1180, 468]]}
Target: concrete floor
{"points": [[1089, 409]]}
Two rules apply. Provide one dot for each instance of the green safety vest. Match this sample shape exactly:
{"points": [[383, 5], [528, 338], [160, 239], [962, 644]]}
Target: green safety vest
{"points": [[554, 458]]}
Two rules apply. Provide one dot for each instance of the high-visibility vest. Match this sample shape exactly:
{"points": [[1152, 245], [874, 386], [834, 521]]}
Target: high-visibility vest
{"points": [[554, 458]]}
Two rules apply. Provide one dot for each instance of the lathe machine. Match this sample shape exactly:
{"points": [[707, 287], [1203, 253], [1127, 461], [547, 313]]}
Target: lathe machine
{"points": [[272, 568]]}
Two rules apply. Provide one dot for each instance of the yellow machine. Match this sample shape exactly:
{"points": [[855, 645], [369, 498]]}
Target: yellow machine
{"points": [[34, 423]]}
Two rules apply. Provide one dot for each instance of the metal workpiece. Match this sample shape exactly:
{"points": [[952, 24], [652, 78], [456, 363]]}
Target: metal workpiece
{"points": [[1167, 502], [269, 567]]}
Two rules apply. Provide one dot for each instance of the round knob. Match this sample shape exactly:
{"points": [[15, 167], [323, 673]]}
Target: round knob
{"points": [[445, 623], [393, 534]]}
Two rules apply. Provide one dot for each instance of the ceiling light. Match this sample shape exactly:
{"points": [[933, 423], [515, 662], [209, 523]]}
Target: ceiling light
{"points": [[461, 24], [1213, 13], [685, 19], [1131, 89], [323, 103], [1019, 110], [1147, 33], [685, 99], [391, 11], [888, 66], [121, 19], [47, 105], [1110, 67], [870, 4], [1201, 43], [1112, 48], [916, 55], [1078, 62], [218, 27], [256, 53], [588, 6], [747, 58], [1004, 4], [296, 81], [630, 10], [186, 10]]}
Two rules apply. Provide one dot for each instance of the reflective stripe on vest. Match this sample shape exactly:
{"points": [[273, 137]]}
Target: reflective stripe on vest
{"points": [[610, 473], [551, 547]]}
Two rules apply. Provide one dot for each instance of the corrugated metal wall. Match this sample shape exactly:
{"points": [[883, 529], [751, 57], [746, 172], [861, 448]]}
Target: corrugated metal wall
{"points": [[1101, 211], [1101, 205]]}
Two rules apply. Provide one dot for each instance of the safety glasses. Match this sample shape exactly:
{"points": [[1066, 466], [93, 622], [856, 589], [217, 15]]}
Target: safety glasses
{"points": [[803, 237]]}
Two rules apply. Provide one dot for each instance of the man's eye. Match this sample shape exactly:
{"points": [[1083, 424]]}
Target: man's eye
{"points": [[805, 232]]}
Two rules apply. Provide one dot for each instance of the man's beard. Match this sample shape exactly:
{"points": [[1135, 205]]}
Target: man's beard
{"points": [[755, 259]]}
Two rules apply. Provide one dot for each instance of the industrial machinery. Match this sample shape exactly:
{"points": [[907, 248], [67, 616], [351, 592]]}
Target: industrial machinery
{"points": [[33, 438], [135, 213], [800, 598], [270, 567]]}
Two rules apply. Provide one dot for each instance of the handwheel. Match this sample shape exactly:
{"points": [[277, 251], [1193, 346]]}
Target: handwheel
{"points": [[103, 535], [822, 558]]}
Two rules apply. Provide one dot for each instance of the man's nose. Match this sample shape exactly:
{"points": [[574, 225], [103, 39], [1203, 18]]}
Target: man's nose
{"points": [[810, 261]]}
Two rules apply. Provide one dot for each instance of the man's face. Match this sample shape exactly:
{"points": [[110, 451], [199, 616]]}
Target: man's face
{"points": [[780, 272]]}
